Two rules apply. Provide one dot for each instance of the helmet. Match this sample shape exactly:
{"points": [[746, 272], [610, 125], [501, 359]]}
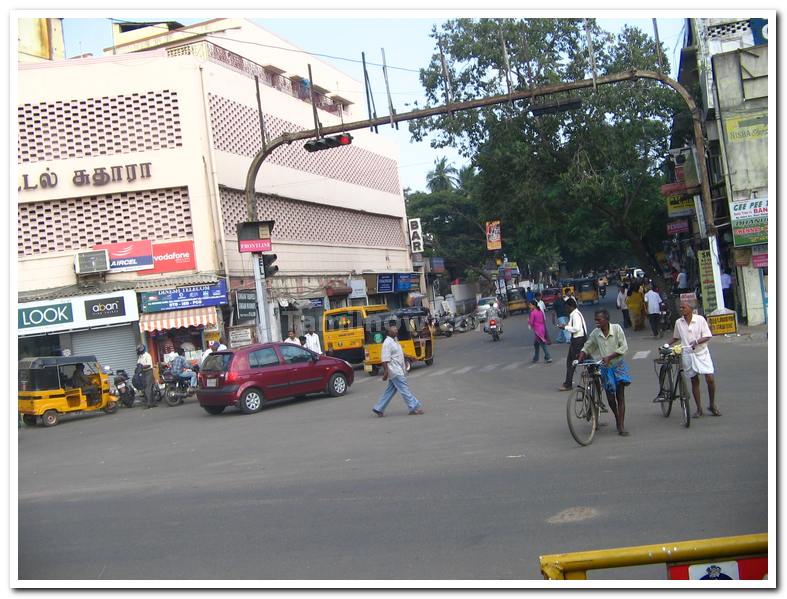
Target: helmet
{"points": [[215, 346], [140, 349]]}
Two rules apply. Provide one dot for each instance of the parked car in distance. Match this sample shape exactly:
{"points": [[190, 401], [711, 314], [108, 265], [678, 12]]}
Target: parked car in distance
{"points": [[485, 304], [549, 295], [249, 376]]}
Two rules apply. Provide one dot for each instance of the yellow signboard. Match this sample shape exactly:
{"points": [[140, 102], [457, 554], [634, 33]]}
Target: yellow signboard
{"points": [[722, 324], [679, 205], [747, 126], [494, 240]]}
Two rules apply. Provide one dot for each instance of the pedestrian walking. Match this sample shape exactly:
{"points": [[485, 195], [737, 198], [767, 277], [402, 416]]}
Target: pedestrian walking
{"points": [[623, 306], [313, 341], [636, 304], [608, 342], [560, 317], [694, 332], [578, 329], [394, 372], [537, 323], [653, 302], [146, 364]]}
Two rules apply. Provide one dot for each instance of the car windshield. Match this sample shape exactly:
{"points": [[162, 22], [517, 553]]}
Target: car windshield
{"points": [[487, 301], [219, 362]]}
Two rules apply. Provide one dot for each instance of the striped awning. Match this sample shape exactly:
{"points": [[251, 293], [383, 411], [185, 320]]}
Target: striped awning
{"points": [[191, 317]]}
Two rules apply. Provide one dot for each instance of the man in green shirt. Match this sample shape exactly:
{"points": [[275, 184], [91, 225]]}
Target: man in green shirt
{"points": [[608, 341]]}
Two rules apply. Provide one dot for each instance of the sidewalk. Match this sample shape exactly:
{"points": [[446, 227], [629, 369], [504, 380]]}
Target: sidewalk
{"points": [[747, 333]]}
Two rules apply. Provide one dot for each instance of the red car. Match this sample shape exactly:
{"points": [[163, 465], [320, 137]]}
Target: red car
{"points": [[250, 375], [549, 295]]}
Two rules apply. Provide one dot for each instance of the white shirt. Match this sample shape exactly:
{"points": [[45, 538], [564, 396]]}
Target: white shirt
{"points": [[222, 347], [170, 356], [294, 341], [393, 354], [689, 332], [576, 325], [313, 342], [622, 300], [542, 306], [682, 282], [653, 300], [145, 360]]}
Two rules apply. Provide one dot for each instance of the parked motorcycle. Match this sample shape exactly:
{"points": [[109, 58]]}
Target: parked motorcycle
{"points": [[444, 325], [136, 382], [125, 391], [464, 323]]}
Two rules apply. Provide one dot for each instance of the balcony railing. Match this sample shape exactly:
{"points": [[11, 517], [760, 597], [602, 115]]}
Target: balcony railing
{"points": [[295, 88]]}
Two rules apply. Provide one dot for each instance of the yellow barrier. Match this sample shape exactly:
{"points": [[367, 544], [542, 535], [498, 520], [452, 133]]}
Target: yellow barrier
{"points": [[574, 566]]}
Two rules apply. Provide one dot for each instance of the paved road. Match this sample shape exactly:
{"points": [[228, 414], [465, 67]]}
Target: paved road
{"points": [[477, 488]]}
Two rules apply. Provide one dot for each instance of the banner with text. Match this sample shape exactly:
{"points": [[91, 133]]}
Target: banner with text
{"points": [[494, 238], [749, 221], [709, 303]]}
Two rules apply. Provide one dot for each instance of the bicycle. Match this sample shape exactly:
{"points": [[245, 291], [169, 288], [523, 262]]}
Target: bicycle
{"points": [[672, 382], [584, 405]]}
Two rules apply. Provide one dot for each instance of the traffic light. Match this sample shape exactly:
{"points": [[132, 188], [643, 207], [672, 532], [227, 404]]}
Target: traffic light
{"points": [[326, 143], [267, 265]]}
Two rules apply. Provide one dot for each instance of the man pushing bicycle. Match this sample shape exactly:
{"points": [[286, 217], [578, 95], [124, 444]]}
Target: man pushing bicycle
{"points": [[608, 341]]}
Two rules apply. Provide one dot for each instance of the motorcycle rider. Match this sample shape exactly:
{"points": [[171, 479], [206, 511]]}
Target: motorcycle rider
{"points": [[181, 370], [146, 362]]}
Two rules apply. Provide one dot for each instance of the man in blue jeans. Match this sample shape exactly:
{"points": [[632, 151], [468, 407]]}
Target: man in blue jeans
{"points": [[394, 373], [560, 317], [180, 368]]}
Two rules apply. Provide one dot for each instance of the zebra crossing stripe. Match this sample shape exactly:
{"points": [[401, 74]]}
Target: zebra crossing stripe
{"points": [[440, 372], [464, 370], [641, 355], [489, 368], [512, 366]]}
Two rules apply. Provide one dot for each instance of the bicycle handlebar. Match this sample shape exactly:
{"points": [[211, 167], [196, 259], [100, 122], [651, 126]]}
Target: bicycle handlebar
{"points": [[587, 363]]}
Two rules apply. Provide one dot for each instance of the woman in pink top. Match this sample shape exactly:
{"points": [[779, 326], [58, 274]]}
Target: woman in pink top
{"points": [[537, 323]]}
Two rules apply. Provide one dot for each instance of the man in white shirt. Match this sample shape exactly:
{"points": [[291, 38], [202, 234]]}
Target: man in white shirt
{"points": [[291, 338], [579, 331], [653, 302], [694, 334], [313, 341], [394, 372], [146, 363]]}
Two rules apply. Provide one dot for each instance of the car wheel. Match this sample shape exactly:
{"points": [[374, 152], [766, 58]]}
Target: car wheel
{"points": [[337, 386], [29, 419], [213, 410], [49, 418], [251, 401]]}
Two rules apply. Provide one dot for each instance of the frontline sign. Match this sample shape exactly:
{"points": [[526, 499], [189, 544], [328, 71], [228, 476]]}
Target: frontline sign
{"points": [[44, 316]]}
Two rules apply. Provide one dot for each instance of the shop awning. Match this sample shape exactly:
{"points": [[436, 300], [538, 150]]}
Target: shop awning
{"points": [[191, 317]]}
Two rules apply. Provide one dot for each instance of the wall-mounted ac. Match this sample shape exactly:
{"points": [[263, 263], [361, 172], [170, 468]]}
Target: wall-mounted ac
{"points": [[94, 261]]}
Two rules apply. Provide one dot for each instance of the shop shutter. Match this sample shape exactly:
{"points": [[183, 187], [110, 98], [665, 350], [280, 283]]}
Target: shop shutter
{"points": [[113, 346]]}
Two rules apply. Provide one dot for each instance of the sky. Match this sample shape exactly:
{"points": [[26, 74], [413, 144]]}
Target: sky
{"points": [[407, 47]]}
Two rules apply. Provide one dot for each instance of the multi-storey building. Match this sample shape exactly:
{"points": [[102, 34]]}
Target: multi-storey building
{"points": [[145, 152]]}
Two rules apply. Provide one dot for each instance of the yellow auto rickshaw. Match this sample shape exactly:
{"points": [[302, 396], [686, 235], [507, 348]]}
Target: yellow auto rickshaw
{"points": [[415, 336], [342, 330], [47, 388], [516, 301], [586, 291]]}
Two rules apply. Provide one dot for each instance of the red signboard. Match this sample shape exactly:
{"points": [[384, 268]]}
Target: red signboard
{"points": [[678, 226], [759, 260], [129, 256], [748, 568], [172, 257], [254, 245]]}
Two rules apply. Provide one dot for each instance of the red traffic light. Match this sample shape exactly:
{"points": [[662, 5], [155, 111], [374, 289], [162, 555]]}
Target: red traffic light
{"points": [[326, 143]]}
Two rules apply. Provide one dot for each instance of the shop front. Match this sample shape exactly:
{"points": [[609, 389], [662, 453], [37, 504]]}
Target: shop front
{"points": [[183, 317], [392, 289], [103, 325]]}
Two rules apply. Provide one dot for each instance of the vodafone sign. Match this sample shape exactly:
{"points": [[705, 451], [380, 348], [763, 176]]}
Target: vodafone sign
{"points": [[172, 257]]}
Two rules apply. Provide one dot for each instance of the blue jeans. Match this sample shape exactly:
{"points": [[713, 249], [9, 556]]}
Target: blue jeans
{"points": [[563, 336], [191, 375], [539, 344], [397, 383]]}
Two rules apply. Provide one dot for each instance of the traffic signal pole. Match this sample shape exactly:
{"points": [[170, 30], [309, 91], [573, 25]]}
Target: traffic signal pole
{"points": [[263, 330]]}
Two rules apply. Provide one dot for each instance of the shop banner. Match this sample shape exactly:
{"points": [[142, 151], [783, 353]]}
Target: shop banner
{"points": [[678, 226], [709, 303], [196, 296], [494, 238], [749, 221], [129, 256], [416, 236], [759, 256], [77, 312], [407, 282], [743, 127], [385, 283], [172, 257], [680, 205], [437, 264], [246, 304], [359, 288]]}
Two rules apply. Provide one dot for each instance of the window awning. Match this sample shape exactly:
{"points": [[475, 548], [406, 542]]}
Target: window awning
{"points": [[191, 317]]}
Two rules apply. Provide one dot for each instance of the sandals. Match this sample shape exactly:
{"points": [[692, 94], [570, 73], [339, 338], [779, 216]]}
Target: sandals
{"points": [[714, 411], [697, 414]]}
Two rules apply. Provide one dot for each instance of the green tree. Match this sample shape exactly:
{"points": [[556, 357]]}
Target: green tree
{"points": [[442, 177]]}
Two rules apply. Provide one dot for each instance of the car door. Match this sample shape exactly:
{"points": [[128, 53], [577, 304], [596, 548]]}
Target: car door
{"points": [[269, 373], [304, 377]]}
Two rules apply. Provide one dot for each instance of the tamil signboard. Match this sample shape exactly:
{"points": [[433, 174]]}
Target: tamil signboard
{"points": [[680, 205], [494, 238], [129, 256], [709, 302], [172, 256], [749, 221], [119, 307], [246, 304], [722, 324], [195, 296]]}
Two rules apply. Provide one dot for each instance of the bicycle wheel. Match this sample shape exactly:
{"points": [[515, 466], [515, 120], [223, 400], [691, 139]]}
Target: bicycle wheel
{"points": [[582, 415], [684, 401], [665, 389]]}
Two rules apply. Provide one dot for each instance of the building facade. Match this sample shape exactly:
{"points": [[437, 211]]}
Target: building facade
{"points": [[144, 152]]}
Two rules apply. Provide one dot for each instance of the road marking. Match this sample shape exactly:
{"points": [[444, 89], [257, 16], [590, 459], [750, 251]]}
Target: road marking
{"points": [[641, 355], [440, 372], [465, 369], [513, 365], [489, 368]]}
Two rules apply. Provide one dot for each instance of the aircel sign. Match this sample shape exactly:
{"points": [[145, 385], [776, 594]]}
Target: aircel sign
{"points": [[71, 313]]}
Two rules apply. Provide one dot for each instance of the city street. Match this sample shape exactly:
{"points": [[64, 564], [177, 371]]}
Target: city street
{"points": [[477, 488]]}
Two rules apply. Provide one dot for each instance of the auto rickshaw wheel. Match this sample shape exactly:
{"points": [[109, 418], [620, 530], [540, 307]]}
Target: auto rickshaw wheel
{"points": [[111, 407], [49, 418], [429, 362], [408, 364], [29, 419]]}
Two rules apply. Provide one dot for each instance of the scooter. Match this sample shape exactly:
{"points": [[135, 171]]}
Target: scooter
{"points": [[444, 325], [464, 323], [494, 329], [125, 392]]}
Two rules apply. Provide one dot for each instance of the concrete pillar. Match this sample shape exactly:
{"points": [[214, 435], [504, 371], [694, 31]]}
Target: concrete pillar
{"points": [[752, 295]]}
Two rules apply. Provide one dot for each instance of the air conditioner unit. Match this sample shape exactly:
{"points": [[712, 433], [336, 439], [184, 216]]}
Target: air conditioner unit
{"points": [[90, 262]]}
